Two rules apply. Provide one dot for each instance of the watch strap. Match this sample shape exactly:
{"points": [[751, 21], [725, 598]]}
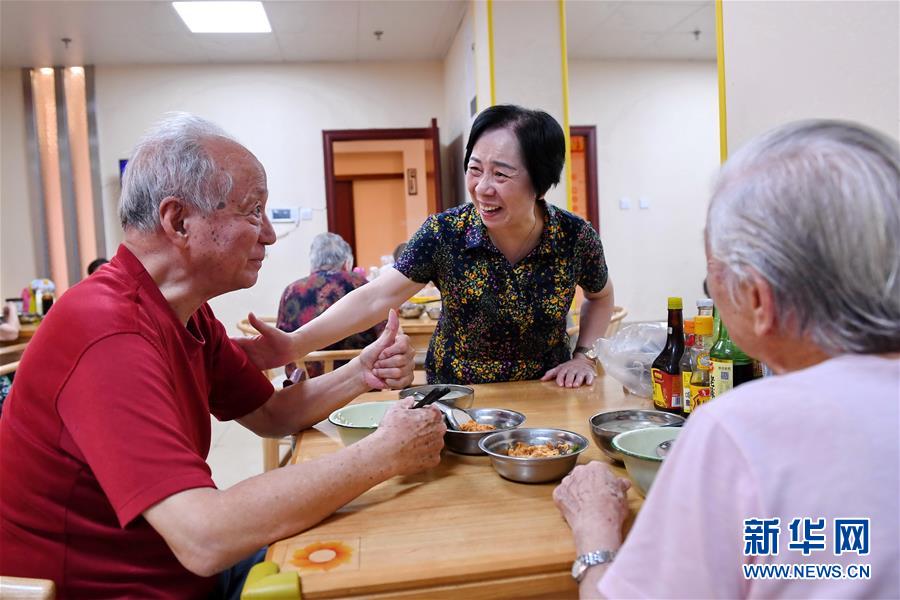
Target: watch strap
{"points": [[591, 559], [588, 352]]}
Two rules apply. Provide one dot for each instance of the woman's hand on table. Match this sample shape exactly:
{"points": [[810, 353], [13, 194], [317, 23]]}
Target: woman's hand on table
{"points": [[388, 362], [270, 349], [592, 500], [413, 438], [573, 373]]}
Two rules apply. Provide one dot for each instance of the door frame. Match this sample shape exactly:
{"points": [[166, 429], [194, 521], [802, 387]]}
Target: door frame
{"points": [[589, 132], [329, 136]]}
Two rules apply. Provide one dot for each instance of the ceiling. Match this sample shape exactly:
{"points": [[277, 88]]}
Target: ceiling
{"points": [[635, 29], [123, 32]]}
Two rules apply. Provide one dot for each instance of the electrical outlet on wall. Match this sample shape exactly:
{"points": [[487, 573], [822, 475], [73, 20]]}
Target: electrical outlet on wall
{"points": [[624, 203], [644, 203]]}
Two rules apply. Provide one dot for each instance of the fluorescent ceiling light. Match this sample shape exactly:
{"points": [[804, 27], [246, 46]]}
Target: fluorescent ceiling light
{"points": [[224, 17]]}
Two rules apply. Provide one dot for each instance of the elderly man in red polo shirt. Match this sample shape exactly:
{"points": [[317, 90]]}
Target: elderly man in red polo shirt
{"points": [[104, 438]]}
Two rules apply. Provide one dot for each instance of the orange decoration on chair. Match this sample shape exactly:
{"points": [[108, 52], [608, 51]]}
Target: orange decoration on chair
{"points": [[323, 556]]}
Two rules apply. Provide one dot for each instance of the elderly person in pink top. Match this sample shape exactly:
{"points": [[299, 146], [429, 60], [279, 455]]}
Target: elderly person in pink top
{"points": [[803, 248]]}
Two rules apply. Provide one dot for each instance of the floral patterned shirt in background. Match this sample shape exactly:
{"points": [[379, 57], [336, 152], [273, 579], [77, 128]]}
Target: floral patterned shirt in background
{"points": [[307, 298], [501, 322]]}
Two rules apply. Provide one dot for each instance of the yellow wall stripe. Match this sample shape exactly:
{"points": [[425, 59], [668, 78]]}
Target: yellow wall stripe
{"points": [[564, 53], [490, 27], [720, 62]]}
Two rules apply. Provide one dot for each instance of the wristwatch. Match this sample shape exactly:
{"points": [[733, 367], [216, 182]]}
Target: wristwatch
{"points": [[591, 559], [588, 352]]}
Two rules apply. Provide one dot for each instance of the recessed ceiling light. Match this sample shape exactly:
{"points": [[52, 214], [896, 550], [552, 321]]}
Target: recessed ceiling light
{"points": [[46, 70], [77, 70], [224, 17]]}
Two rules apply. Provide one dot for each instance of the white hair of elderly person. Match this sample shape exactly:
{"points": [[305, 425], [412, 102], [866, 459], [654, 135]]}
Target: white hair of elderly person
{"points": [[330, 252], [785, 486]]}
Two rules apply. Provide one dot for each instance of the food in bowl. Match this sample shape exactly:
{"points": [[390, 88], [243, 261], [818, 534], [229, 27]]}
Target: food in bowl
{"points": [[466, 442], [522, 449], [356, 421], [639, 452], [528, 469], [474, 426]]}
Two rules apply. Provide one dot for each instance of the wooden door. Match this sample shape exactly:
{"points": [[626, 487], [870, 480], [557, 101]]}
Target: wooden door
{"points": [[344, 222]]}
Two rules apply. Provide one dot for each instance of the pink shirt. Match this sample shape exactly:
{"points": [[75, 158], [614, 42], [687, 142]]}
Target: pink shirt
{"points": [[818, 443]]}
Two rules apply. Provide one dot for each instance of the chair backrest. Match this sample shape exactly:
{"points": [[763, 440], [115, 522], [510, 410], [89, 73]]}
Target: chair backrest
{"points": [[247, 329], [615, 322], [9, 368], [327, 358]]}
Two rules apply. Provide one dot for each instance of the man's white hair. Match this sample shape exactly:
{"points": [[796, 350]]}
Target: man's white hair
{"points": [[171, 160]]}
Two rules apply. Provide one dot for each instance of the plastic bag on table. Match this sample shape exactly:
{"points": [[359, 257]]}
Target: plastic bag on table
{"points": [[628, 355]]}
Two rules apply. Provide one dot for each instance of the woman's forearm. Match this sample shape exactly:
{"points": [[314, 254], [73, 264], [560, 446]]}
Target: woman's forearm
{"points": [[596, 312], [357, 311]]}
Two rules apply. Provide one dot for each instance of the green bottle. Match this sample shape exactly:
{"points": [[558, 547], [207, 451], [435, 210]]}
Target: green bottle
{"points": [[730, 366]]}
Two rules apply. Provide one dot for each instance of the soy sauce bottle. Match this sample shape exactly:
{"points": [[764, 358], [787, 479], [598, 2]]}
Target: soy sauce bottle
{"points": [[665, 371]]}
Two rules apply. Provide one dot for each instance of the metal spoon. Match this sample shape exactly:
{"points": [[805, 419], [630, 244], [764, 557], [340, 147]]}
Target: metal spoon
{"points": [[455, 416], [663, 449]]}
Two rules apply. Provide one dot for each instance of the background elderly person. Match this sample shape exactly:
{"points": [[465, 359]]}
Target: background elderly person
{"points": [[803, 247], [104, 438], [330, 279], [507, 266]]}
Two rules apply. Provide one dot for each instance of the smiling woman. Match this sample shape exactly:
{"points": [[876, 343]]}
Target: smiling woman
{"points": [[507, 266]]}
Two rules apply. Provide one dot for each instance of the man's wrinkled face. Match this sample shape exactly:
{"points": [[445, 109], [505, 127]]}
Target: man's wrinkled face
{"points": [[230, 243]]}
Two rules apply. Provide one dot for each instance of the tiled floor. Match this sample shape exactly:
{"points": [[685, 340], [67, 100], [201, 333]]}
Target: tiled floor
{"points": [[236, 453]]}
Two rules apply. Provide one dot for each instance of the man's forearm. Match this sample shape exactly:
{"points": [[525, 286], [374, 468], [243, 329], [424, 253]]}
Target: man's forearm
{"points": [[209, 530], [304, 404]]}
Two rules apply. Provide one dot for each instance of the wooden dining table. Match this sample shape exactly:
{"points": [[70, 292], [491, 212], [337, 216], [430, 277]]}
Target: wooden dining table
{"points": [[459, 529], [419, 331]]}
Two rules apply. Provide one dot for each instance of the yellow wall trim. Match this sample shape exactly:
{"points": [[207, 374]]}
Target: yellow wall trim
{"points": [[564, 53], [720, 63]]}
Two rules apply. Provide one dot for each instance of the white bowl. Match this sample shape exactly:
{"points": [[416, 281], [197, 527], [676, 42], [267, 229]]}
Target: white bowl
{"points": [[356, 421], [638, 450]]}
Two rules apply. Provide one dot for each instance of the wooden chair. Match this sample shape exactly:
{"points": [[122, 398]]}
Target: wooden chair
{"points": [[247, 329], [26, 588], [272, 447], [615, 323]]}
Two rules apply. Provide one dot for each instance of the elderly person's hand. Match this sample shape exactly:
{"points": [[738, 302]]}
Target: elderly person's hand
{"points": [[388, 361], [573, 373], [413, 438], [592, 500]]}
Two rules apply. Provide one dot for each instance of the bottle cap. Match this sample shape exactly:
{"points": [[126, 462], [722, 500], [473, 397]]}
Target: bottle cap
{"points": [[705, 303], [689, 326], [703, 325], [675, 303]]}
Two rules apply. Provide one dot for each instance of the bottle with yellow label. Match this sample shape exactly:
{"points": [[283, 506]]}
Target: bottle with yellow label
{"points": [[665, 372], [730, 366], [699, 384], [686, 364]]}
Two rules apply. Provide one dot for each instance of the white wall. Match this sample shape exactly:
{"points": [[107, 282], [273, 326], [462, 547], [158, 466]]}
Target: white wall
{"points": [[793, 60], [17, 252], [278, 112], [657, 138], [459, 89]]}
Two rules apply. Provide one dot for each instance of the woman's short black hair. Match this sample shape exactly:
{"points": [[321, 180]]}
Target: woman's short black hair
{"points": [[540, 137]]}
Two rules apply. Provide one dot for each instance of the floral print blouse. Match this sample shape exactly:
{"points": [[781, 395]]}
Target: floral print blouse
{"points": [[501, 322], [307, 298]]}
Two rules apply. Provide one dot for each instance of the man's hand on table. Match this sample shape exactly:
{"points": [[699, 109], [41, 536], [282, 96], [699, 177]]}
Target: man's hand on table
{"points": [[388, 362], [573, 373], [592, 500], [412, 437]]}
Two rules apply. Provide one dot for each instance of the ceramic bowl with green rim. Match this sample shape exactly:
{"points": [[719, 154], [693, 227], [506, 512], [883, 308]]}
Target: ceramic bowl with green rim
{"points": [[356, 421], [640, 452]]}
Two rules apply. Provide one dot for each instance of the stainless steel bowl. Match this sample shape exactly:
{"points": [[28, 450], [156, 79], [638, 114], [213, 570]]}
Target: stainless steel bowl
{"points": [[459, 396], [607, 425], [466, 442], [532, 470], [410, 310]]}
